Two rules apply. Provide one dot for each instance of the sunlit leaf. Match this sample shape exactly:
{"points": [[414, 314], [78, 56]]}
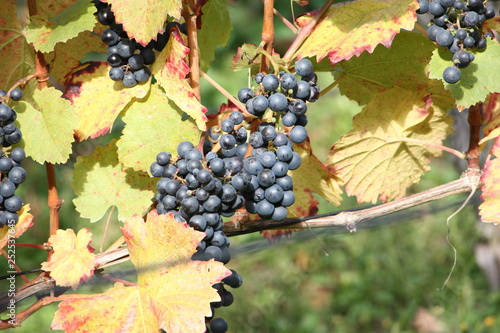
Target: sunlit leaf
{"points": [[376, 160], [153, 124], [349, 28], [100, 181], [172, 293], [23, 223], [490, 177], [245, 58], [72, 261]]}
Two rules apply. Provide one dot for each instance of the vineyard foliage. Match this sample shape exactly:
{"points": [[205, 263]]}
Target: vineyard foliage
{"points": [[375, 53]]}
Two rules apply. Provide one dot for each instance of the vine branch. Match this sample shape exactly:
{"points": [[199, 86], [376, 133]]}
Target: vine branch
{"points": [[189, 14], [267, 34]]}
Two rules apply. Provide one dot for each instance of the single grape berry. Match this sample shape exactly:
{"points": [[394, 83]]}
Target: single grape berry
{"points": [[303, 67], [452, 75], [270, 82], [16, 94], [116, 74], [129, 80], [110, 37]]}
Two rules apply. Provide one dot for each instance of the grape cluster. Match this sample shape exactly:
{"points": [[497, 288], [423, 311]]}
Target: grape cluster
{"points": [[456, 25], [12, 174], [197, 192], [129, 60]]}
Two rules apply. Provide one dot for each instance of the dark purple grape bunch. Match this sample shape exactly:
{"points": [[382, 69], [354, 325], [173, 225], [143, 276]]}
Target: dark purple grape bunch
{"points": [[12, 174], [456, 25], [197, 189], [129, 60]]}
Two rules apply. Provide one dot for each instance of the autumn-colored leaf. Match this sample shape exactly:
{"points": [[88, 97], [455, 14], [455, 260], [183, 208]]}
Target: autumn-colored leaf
{"points": [[245, 54], [153, 124], [172, 293], [96, 110], [402, 65], [491, 118], [478, 79], [44, 32], [152, 14], [18, 58], [100, 181], [489, 209], [23, 223], [349, 28], [67, 56], [215, 30], [47, 126], [312, 176], [170, 70], [72, 261], [380, 146]]}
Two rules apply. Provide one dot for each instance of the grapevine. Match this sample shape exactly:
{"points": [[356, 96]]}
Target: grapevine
{"points": [[113, 92]]}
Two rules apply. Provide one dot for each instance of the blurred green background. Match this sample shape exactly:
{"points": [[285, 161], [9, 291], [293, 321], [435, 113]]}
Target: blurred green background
{"points": [[375, 280]]}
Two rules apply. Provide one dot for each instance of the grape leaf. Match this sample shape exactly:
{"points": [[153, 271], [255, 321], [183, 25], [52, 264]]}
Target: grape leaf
{"points": [[45, 33], [172, 293], [312, 176], [246, 53], [152, 14], [100, 181], [72, 262], [402, 65], [97, 111], [488, 210], [53, 7], [170, 70], [350, 28], [67, 56], [491, 118], [23, 223], [478, 79], [18, 58], [153, 125], [47, 126], [215, 30], [367, 157], [492, 24]]}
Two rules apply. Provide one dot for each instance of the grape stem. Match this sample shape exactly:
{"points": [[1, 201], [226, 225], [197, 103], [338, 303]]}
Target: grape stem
{"points": [[332, 85], [261, 51], [267, 43], [224, 92], [194, 52], [421, 29]]}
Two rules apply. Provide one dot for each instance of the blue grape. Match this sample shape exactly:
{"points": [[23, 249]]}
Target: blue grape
{"points": [[279, 213], [244, 94], [303, 67], [270, 82], [298, 134], [278, 102], [452, 75], [16, 94], [288, 81], [129, 80]]}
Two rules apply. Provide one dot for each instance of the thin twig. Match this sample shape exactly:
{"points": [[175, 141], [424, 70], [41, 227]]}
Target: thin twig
{"points": [[106, 227]]}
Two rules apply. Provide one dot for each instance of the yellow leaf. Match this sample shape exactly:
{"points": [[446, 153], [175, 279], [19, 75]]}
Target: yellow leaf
{"points": [[97, 99], [24, 222], [72, 262], [489, 210], [173, 292], [170, 70], [351, 27], [383, 155]]}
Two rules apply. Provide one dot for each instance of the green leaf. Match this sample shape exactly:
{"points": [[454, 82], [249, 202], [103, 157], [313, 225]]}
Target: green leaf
{"points": [[97, 99], [247, 53], [100, 181], [478, 79], [215, 30], [45, 33], [171, 70], [18, 58], [350, 28], [153, 124], [48, 126], [143, 19], [378, 159], [402, 65]]}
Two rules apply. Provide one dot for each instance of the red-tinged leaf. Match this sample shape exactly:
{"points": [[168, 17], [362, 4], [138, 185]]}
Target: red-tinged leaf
{"points": [[246, 54], [301, 2], [380, 145], [275, 235], [152, 14], [44, 32], [492, 24], [491, 117], [96, 110], [18, 58], [53, 7], [72, 262], [312, 176], [100, 181], [489, 209], [66, 56], [170, 70], [161, 250], [23, 223], [349, 28]]}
